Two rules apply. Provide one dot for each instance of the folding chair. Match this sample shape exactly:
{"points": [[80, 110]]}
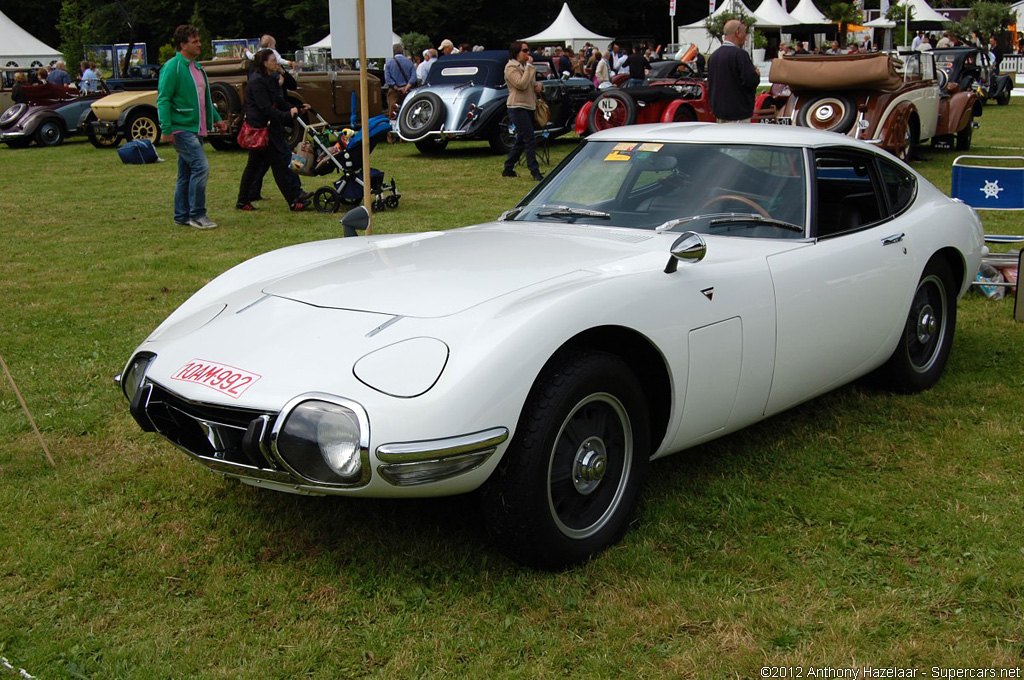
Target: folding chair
{"points": [[985, 186]]}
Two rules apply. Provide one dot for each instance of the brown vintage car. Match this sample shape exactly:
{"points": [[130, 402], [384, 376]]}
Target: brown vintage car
{"points": [[329, 93], [893, 101], [132, 115]]}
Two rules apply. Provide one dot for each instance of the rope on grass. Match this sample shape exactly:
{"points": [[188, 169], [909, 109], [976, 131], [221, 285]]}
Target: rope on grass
{"points": [[20, 672], [28, 413]]}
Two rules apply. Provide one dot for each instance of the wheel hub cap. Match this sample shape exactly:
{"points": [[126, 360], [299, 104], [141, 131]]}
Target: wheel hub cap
{"points": [[589, 466], [926, 324], [824, 113]]}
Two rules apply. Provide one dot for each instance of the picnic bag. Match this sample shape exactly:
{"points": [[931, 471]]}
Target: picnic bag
{"points": [[250, 137], [138, 152], [304, 158], [542, 114]]}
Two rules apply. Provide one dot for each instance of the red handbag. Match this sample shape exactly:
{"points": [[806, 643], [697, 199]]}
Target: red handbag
{"points": [[250, 137]]}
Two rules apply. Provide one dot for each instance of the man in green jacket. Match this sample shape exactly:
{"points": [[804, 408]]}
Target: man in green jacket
{"points": [[186, 114]]}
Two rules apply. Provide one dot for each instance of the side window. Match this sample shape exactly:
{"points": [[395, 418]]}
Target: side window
{"points": [[900, 187], [845, 191]]}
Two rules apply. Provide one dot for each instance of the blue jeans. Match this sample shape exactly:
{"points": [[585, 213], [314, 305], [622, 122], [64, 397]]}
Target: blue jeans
{"points": [[193, 172]]}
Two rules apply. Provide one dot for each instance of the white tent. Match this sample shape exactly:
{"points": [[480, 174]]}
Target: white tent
{"points": [[806, 12], [923, 12], [19, 48], [325, 43], [771, 14], [567, 30]]}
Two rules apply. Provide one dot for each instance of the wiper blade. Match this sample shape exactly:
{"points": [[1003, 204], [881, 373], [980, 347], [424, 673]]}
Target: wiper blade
{"points": [[566, 211], [509, 214], [754, 217]]}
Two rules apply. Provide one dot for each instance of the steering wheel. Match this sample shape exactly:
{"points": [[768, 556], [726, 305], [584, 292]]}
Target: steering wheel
{"points": [[738, 199]]}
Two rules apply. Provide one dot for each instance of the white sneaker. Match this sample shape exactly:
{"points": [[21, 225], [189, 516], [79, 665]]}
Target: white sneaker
{"points": [[203, 222]]}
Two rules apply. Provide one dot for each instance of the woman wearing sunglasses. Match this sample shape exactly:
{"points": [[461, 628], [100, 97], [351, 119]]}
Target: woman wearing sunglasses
{"points": [[523, 88]]}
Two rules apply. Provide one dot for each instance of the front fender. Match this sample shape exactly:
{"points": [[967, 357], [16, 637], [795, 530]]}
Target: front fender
{"points": [[893, 127], [960, 108], [669, 114]]}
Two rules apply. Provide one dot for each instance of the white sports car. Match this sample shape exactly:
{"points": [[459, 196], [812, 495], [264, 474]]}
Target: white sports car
{"points": [[665, 285]]}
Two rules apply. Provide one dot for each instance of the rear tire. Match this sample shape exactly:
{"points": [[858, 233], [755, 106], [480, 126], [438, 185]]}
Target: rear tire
{"points": [[964, 137], [923, 349], [832, 113], [502, 139], [424, 113], [612, 108], [572, 476]]}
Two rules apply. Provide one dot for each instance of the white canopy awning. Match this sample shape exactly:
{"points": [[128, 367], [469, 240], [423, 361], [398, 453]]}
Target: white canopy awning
{"points": [[924, 12], [880, 22], [18, 47], [806, 12], [325, 44], [566, 29], [770, 14]]}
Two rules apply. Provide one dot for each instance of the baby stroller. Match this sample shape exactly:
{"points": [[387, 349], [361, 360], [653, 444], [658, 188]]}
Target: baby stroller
{"points": [[342, 152]]}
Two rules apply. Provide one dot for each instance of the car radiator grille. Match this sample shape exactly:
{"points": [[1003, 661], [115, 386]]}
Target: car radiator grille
{"points": [[207, 431]]}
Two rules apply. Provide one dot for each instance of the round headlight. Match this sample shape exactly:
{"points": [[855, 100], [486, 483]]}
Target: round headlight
{"points": [[320, 441]]}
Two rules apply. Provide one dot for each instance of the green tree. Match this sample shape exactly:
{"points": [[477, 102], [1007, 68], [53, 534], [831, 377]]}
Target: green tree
{"points": [[197, 20], [898, 12], [415, 43], [715, 24], [843, 13], [74, 29], [984, 18]]}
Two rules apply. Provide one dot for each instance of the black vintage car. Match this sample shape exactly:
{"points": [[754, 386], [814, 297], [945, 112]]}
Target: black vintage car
{"points": [[464, 99], [971, 68]]}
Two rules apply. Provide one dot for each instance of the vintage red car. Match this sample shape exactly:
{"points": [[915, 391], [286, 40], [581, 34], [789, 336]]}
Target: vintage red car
{"points": [[678, 96], [893, 101]]}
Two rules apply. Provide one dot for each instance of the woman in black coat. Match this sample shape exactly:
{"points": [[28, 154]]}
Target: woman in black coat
{"points": [[265, 106]]}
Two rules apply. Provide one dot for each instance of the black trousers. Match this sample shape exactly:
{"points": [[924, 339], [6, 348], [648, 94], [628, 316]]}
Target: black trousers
{"points": [[277, 156], [525, 140]]}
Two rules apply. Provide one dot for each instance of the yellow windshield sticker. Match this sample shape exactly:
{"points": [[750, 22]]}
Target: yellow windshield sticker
{"points": [[650, 146], [617, 152]]}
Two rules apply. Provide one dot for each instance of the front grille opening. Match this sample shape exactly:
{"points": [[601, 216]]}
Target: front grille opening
{"points": [[205, 430]]}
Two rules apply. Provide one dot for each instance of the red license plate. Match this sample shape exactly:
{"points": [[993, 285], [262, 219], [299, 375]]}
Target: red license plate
{"points": [[225, 379]]}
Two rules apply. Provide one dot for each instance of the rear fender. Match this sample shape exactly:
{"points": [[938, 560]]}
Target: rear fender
{"points": [[581, 119], [955, 113], [891, 133], [669, 114]]}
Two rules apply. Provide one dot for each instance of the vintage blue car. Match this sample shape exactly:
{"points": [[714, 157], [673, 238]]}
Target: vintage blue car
{"points": [[464, 99]]}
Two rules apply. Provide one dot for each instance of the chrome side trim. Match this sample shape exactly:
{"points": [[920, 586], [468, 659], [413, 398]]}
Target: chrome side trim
{"points": [[432, 449]]}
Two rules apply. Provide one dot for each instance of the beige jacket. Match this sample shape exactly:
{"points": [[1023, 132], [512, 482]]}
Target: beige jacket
{"points": [[521, 78]]}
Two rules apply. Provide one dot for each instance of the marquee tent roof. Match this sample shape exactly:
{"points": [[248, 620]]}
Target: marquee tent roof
{"points": [[923, 12], [18, 47], [806, 12], [771, 13], [325, 43], [565, 28]]}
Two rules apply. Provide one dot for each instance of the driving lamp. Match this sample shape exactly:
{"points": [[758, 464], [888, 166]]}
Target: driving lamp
{"points": [[320, 441]]}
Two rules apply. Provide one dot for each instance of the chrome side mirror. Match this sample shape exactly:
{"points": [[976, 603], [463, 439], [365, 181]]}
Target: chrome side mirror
{"points": [[355, 220], [689, 247]]}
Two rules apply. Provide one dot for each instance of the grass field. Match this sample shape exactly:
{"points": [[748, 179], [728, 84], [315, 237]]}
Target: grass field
{"points": [[861, 530]]}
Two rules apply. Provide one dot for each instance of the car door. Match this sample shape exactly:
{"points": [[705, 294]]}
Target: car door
{"points": [[841, 303]]}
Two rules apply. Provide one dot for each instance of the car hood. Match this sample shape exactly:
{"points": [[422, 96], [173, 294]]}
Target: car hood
{"points": [[113, 104], [436, 274]]}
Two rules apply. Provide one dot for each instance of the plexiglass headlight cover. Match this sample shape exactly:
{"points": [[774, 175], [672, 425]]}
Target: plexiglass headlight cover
{"points": [[324, 439], [134, 373]]}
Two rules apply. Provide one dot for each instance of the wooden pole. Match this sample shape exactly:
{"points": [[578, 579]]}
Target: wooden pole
{"points": [[364, 109]]}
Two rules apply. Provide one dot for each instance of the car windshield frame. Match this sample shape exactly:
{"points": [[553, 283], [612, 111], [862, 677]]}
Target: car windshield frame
{"points": [[746, 190]]}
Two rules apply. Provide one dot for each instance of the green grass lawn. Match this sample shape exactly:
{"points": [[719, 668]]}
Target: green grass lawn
{"points": [[863, 529]]}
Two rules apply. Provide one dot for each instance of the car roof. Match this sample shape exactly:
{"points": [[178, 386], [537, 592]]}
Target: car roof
{"points": [[500, 56], [729, 134]]}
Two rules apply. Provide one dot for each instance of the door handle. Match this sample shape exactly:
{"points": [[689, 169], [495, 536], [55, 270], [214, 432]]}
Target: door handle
{"points": [[890, 240]]}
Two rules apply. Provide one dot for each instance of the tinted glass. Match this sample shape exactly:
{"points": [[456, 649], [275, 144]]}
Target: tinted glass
{"points": [[900, 186], [846, 195]]}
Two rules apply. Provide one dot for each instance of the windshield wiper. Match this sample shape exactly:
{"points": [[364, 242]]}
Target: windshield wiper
{"points": [[753, 217], [509, 214], [566, 211]]}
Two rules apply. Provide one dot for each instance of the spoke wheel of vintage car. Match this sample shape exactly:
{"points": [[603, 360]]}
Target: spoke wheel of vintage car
{"points": [[143, 125], [920, 358], [908, 144], [97, 140], [50, 133], [612, 108], [326, 200], [828, 112], [568, 485], [432, 145], [504, 136], [423, 114], [225, 100]]}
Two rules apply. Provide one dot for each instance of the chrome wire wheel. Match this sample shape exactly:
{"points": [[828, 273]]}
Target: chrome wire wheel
{"points": [[589, 465]]}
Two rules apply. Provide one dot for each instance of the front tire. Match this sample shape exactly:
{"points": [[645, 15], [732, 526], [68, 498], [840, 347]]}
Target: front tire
{"points": [[143, 125], [964, 137], [923, 349], [572, 477]]}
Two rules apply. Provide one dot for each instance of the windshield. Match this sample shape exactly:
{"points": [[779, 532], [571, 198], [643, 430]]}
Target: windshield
{"points": [[648, 185]]}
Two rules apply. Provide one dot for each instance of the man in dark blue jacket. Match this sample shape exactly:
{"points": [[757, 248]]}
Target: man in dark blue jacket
{"points": [[732, 77]]}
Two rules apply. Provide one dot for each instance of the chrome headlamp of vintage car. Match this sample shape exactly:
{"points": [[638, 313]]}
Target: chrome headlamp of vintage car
{"points": [[134, 373], [324, 439]]}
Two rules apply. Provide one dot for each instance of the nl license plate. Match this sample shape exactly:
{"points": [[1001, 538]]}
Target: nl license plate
{"points": [[226, 379], [776, 121]]}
